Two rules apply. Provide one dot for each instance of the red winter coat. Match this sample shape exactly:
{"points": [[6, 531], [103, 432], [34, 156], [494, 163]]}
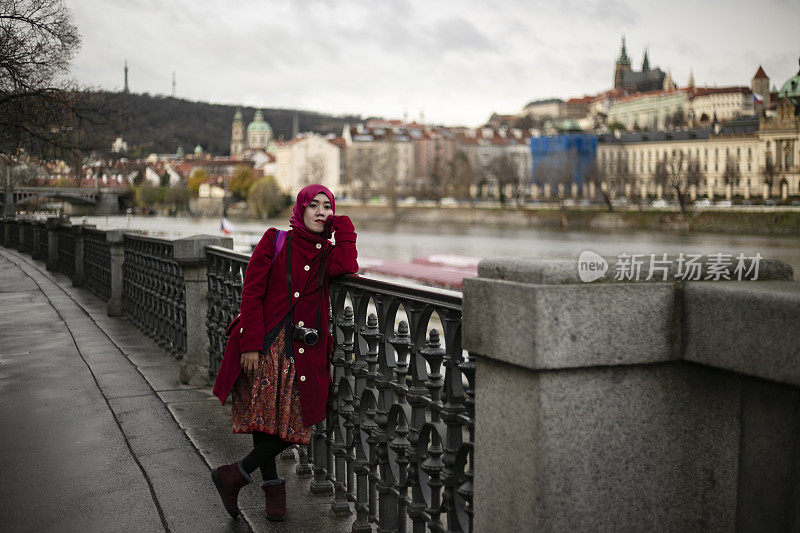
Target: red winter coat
{"points": [[266, 301]]}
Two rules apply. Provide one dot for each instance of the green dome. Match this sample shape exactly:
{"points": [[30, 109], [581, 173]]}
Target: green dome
{"points": [[791, 89], [238, 115], [259, 124]]}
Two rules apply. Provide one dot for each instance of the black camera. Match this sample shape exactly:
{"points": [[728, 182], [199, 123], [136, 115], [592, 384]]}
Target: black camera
{"points": [[307, 335]]}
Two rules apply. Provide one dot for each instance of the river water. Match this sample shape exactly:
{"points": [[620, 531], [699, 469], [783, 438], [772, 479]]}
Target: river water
{"points": [[405, 241]]}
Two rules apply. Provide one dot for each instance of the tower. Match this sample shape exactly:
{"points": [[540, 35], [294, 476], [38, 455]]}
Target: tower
{"points": [[691, 78], [237, 134], [668, 84], [622, 65], [760, 86], [126, 77], [646, 61]]}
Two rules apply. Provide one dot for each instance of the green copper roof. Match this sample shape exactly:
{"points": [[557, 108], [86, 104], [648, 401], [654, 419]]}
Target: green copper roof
{"points": [[258, 123], [791, 89], [237, 115]]}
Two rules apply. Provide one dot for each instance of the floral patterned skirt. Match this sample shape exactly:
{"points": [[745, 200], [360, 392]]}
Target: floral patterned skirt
{"points": [[267, 400]]}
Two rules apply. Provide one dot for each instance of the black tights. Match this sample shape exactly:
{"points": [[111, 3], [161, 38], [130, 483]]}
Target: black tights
{"points": [[265, 448]]}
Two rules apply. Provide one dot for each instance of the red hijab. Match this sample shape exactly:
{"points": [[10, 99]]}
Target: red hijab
{"points": [[304, 198]]}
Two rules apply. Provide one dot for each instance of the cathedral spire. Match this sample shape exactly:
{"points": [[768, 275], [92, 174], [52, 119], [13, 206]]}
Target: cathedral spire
{"points": [[623, 54], [646, 61], [691, 78]]}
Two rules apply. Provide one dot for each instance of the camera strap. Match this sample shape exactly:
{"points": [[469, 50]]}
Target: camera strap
{"points": [[320, 278]]}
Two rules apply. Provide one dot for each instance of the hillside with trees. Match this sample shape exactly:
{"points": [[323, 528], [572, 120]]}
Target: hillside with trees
{"points": [[161, 123]]}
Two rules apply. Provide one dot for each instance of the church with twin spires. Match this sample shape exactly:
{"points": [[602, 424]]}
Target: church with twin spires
{"points": [[645, 80], [258, 135]]}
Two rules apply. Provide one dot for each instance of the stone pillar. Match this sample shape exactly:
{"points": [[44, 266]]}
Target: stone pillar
{"points": [[574, 191], [693, 192], [53, 223], [190, 254], [116, 249], [630, 406], [547, 188]]}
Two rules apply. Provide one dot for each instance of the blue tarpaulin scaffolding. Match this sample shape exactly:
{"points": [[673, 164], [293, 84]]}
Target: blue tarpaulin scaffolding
{"points": [[557, 155]]}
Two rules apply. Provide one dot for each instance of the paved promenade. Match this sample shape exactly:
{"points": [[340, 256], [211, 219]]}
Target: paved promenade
{"points": [[96, 432]]}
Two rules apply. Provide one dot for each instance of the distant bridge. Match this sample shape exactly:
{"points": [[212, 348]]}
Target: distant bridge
{"points": [[103, 201]]}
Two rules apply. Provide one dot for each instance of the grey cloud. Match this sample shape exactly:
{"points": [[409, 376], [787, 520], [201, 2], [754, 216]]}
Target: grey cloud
{"points": [[457, 33]]}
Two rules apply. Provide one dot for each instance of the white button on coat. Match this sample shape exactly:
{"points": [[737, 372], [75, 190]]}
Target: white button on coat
{"points": [[301, 324], [306, 268], [301, 350], [302, 378], [241, 330], [297, 295], [319, 246]]}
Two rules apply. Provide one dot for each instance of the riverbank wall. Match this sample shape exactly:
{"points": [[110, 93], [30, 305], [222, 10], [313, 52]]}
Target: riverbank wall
{"points": [[766, 221]]}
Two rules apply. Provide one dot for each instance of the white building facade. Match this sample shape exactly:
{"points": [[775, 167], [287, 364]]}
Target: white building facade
{"points": [[307, 160]]}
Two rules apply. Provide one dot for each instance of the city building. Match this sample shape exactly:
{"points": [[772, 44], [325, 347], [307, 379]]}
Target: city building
{"points": [[379, 160], [544, 109], [305, 160], [653, 110]]}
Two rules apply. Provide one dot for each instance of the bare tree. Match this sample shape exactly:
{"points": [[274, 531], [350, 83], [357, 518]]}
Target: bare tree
{"points": [[40, 110], [313, 170], [462, 176], [556, 170], [505, 171], [677, 174], [769, 174], [731, 176]]}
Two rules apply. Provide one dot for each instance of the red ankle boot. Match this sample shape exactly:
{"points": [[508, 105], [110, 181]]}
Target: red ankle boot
{"points": [[275, 499], [229, 479]]}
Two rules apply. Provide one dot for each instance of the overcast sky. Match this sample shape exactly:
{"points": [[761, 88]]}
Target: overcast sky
{"points": [[456, 62]]}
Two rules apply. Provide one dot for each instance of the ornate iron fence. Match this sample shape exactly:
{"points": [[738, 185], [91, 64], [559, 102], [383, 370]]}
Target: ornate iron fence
{"points": [[155, 292], [96, 263], [42, 252], [66, 250], [397, 447], [225, 270]]}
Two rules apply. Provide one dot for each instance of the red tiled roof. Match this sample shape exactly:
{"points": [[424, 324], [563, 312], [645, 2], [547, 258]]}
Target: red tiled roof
{"points": [[584, 100], [703, 91], [760, 74], [338, 141]]}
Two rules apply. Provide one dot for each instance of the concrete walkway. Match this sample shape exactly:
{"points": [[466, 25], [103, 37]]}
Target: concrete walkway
{"points": [[96, 432]]}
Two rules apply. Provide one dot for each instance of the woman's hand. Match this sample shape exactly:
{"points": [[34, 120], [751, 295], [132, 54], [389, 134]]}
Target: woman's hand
{"points": [[249, 361]]}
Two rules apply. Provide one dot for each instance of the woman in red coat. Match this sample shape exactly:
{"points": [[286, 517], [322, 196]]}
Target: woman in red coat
{"points": [[280, 381]]}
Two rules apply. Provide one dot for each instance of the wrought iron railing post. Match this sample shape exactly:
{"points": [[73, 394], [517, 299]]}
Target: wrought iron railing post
{"points": [[190, 254], [116, 250], [53, 224]]}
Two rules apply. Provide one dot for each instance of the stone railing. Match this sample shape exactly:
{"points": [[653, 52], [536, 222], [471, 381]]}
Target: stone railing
{"points": [[397, 446]]}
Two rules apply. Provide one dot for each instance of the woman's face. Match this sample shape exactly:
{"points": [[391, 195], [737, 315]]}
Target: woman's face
{"points": [[316, 212]]}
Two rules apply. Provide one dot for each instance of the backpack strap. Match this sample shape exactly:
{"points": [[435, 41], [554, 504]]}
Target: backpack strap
{"points": [[280, 238]]}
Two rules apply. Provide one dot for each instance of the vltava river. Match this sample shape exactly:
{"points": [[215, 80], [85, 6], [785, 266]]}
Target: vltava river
{"points": [[405, 241]]}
